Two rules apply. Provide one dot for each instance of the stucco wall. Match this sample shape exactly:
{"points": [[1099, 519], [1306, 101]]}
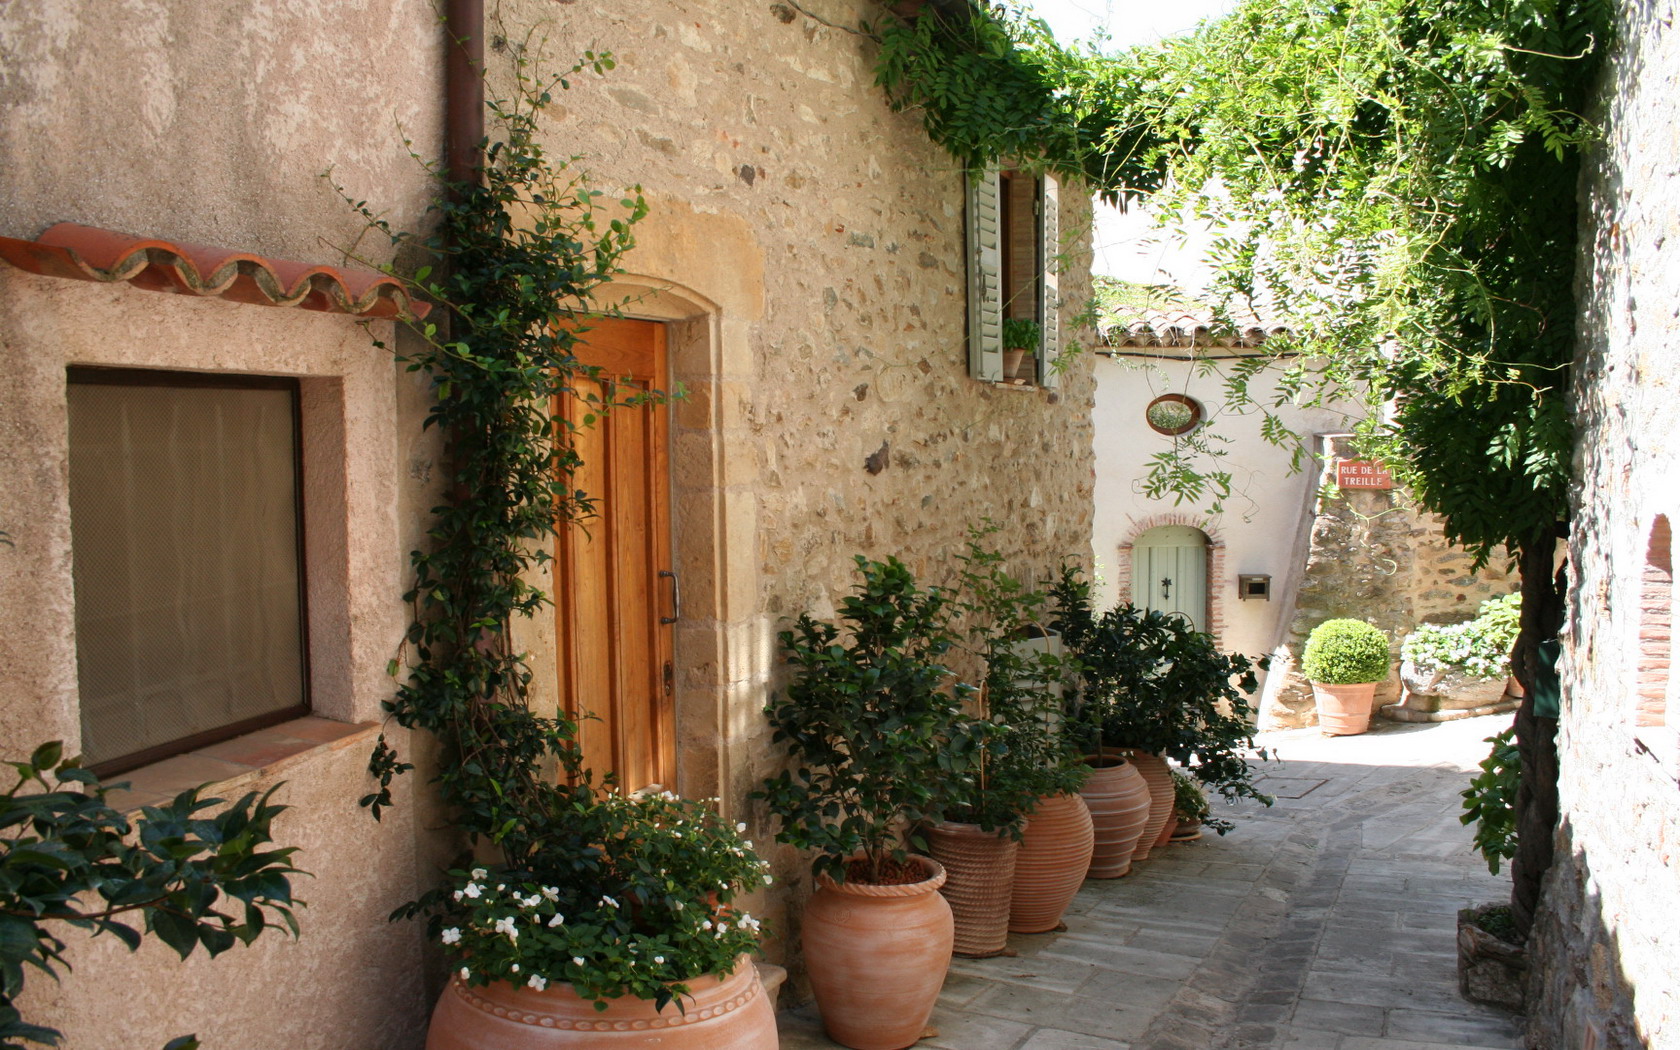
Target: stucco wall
{"points": [[1258, 529], [1607, 939], [210, 124]]}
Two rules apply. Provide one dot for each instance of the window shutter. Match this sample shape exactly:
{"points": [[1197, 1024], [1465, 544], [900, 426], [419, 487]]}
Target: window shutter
{"points": [[1049, 284], [985, 278]]}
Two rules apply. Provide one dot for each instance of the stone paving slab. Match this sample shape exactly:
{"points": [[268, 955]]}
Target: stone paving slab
{"points": [[1326, 922]]}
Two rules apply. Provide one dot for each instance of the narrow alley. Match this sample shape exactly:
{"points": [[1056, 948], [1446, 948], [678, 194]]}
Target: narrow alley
{"points": [[1323, 923]]}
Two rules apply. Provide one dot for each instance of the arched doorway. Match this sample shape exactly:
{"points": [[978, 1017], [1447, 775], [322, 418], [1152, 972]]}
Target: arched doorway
{"points": [[1170, 572]]}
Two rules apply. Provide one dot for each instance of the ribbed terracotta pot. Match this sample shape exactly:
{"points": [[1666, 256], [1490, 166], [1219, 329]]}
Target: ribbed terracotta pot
{"points": [[877, 956], [979, 878], [1167, 830], [1055, 854], [1118, 799], [1156, 775], [1344, 710], [719, 1013]]}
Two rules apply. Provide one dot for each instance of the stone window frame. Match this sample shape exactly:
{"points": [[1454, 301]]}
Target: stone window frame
{"points": [[1216, 563], [990, 228], [1653, 650]]}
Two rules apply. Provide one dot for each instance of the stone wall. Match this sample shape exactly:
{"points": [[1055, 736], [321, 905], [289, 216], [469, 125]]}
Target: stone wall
{"points": [[1607, 938], [1372, 555], [808, 244]]}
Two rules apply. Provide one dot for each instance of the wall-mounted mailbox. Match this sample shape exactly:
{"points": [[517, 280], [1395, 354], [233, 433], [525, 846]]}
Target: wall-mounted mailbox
{"points": [[1254, 585]]}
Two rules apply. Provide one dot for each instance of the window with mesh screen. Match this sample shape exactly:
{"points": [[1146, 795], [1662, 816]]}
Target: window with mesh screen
{"points": [[186, 537]]}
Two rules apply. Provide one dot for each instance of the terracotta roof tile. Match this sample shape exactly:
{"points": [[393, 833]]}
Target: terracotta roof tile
{"points": [[1184, 328], [87, 253]]}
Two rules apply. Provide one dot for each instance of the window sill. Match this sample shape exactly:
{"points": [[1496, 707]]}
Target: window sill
{"points": [[232, 762], [1015, 384]]}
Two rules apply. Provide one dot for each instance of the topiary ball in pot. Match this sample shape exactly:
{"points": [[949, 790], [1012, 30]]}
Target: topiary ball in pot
{"points": [[1344, 660]]}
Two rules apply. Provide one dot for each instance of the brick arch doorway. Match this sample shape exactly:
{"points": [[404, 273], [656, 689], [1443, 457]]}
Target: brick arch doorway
{"points": [[1170, 572]]}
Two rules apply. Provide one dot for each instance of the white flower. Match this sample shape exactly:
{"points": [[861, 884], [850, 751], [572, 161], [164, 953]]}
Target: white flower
{"points": [[741, 826], [556, 921], [706, 925], [577, 960], [551, 892], [659, 958], [452, 935], [505, 926], [608, 902], [457, 895], [537, 981], [768, 880], [678, 905], [500, 886], [465, 973], [473, 891], [479, 873], [514, 968]]}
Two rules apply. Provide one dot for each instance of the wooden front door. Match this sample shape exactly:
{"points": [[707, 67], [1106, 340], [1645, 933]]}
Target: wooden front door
{"points": [[1170, 567], [615, 593]]}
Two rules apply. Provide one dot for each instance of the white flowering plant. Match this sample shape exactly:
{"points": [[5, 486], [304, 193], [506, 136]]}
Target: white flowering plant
{"points": [[1479, 648], [651, 904]]}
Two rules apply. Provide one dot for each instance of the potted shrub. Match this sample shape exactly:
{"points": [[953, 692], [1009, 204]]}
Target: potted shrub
{"points": [[1190, 807], [633, 941], [1023, 766], [1020, 347], [877, 738], [1148, 682], [1344, 660], [1462, 665]]}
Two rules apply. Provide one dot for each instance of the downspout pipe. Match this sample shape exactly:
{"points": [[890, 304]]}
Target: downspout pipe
{"points": [[463, 79]]}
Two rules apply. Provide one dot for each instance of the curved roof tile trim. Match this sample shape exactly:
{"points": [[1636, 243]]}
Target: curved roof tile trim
{"points": [[1180, 328], [88, 253]]}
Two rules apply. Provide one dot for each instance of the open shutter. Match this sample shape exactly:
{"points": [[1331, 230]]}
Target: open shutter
{"points": [[985, 278], [1049, 284]]}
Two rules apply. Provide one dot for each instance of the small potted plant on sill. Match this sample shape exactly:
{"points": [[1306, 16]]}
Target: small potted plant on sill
{"points": [[1020, 347], [1344, 660], [878, 742], [634, 940], [1024, 766], [1151, 684]]}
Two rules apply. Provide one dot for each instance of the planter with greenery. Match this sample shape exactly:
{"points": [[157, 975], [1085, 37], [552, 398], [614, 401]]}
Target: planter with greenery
{"points": [[1021, 339], [878, 744], [1149, 682], [1344, 660], [1190, 806], [1461, 666], [1022, 757], [196, 871]]}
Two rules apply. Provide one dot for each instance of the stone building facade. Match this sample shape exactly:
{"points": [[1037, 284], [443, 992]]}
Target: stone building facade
{"points": [[804, 257], [1606, 945]]}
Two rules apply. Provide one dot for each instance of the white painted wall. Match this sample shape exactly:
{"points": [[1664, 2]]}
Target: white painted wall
{"points": [[1261, 524]]}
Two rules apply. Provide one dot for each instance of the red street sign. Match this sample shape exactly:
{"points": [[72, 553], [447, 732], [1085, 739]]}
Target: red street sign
{"points": [[1363, 474]]}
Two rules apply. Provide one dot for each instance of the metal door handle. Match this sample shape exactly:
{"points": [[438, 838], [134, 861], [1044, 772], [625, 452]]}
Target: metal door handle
{"points": [[676, 597]]}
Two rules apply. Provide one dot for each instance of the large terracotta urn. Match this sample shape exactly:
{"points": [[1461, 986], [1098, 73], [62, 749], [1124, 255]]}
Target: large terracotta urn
{"points": [[730, 1012], [877, 956], [1055, 854], [979, 880], [1344, 710], [1118, 799], [1154, 770]]}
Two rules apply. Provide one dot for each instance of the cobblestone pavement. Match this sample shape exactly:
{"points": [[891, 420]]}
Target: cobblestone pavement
{"points": [[1326, 922]]}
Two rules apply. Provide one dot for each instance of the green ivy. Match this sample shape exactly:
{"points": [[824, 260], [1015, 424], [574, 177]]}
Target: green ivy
{"points": [[1490, 801], [195, 872]]}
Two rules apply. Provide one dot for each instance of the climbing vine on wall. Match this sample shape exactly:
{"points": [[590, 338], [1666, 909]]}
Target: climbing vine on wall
{"points": [[515, 255]]}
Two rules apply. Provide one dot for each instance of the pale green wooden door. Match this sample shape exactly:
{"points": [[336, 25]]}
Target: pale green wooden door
{"points": [[1170, 572]]}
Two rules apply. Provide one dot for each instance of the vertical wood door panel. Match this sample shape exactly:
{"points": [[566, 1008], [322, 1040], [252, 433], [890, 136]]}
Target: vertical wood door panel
{"points": [[614, 652], [1170, 567]]}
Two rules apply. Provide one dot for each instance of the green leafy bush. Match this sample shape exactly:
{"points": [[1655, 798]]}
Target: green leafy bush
{"points": [[194, 877], [1147, 680], [1491, 799], [1023, 754], [1345, 652], [873, 722], [1481, 648]]}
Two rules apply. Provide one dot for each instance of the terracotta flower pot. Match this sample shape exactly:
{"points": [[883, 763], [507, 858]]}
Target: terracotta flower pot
{"points": [[1344, 710], [719, 1013], [1055, 854], [979, 878], [1161, 798], [1118, 799], [1167, 830], [877, 956]]}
